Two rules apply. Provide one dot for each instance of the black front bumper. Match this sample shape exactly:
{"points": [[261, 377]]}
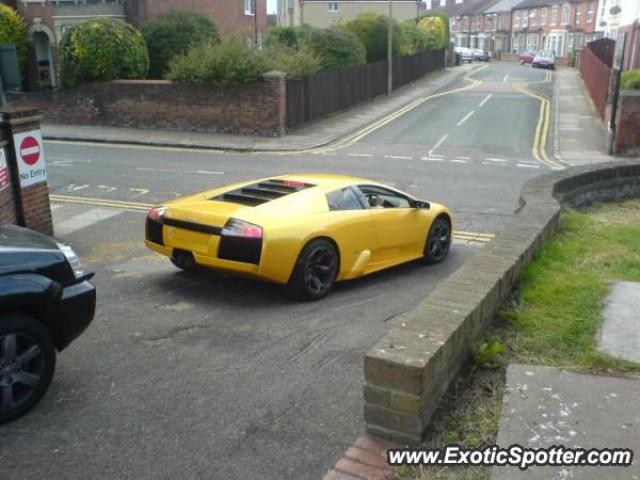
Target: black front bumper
{"points": [[79, 305]]}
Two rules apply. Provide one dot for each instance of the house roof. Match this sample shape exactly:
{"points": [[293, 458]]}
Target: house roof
{"points": [[467, 7], [502, 6], [537, 3]]}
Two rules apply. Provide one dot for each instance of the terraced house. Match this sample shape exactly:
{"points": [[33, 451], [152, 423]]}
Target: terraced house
{"points": [[556, 25]]}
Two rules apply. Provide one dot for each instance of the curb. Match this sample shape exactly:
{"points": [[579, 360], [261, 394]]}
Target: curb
{"points": [[236, 148]]}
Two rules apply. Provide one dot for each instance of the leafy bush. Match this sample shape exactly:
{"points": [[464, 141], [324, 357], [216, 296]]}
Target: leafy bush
{"points": [[371, 29], [174, 33], [444, 18], [434, 32], [295, 63], [227, 63], [281, 36], [415, 38], [631, 80], [334, 48], [14, 30], [102, 50]]}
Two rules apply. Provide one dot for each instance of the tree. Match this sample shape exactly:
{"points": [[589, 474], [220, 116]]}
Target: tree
{"points": [[102, 50], [174, 33], [371, 29], [444, 18], [433, 29], [14, 30]]}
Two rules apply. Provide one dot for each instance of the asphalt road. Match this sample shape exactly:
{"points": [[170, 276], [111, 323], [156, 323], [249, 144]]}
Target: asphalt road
{"points": [[187, 376]]}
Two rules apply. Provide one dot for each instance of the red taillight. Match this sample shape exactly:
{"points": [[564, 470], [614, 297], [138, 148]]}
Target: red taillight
{"points": [[240, 228], [156, 213]]}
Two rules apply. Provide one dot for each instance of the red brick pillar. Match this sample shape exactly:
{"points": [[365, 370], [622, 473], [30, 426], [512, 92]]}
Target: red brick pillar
{"points": [[27, 168], [8, 212], [277, 93], [627, 139]]}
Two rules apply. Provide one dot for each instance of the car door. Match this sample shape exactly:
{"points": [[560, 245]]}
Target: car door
{"points": [[353, 229], [400, 228]]}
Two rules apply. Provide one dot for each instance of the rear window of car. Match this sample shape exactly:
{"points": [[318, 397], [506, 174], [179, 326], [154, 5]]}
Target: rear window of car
{"points": [[343, 199]]}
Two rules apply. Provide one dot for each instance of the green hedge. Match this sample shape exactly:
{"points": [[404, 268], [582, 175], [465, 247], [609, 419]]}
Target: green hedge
{"points": [[335, 48], [14, 30], [278, 36], [102, 50], [631, 80], [371, 29], [174, 33]]}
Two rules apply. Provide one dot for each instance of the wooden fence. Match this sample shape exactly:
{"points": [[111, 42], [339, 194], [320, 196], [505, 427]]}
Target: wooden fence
{"points": [[595, 73], [316, 96]]}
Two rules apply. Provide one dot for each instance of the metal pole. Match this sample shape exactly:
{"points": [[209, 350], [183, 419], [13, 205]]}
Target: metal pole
{"points": [[255, 21], [389, 50]]}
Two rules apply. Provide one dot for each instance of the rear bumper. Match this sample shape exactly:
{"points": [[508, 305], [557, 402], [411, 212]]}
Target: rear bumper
{"points": [[79, 306]]}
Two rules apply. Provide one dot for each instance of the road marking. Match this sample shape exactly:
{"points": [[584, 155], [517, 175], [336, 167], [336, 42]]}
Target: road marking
{"points": [[438, 143], [359, 155], [398, 157], [466, 117], [209, 172], [101, 202], [139, 191], [463, 158], [455, 160], [494, 164], [83, 220], [497, 160], [74, 188], [107, 188], [486, 99], [527, 165], [432, 159], [505, 77]]}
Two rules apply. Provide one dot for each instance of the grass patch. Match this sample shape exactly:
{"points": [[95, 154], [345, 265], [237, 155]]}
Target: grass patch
{"points": [[553, 320]]}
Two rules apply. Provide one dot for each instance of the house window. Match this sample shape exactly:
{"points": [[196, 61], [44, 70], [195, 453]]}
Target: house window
{"points": [[533, 18], [554, 14], [565, 14], [544, 11], [443, 3], [590, 14], [428, 4], [248, 7], [333, 6], [516, 22], [578, 12], [525, 20]]}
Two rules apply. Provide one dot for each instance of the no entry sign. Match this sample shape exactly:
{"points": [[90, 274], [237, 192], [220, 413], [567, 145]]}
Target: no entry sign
{"points": [[30, 156]]}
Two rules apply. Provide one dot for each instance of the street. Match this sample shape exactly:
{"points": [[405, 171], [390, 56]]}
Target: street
{"points": [[197, 375]]}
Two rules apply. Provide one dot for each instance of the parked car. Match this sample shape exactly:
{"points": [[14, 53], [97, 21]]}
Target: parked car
{"points": [[466, 55], [544, 60], [526, 57], [303, 231], [46, 301], [480, 55]]}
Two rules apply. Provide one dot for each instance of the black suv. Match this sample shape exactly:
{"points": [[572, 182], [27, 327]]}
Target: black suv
{"points": [[46, 301]]}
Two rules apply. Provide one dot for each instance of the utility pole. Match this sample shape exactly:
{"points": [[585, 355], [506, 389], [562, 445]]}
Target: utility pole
{"points": [[255, 21], [389, 50]]}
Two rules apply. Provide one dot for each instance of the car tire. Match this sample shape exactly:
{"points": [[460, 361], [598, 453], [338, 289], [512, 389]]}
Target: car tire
{"points": [[315, 271], [27, 364], [438, 241]]}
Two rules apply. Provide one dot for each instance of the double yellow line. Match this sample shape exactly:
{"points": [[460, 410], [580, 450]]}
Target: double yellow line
{"points": [[473, 236], [360, 134], [539, 147], [100, 202]]}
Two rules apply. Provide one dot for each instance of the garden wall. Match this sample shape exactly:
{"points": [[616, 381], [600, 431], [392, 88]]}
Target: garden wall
{"points": [[256, 108], [627, 139], [408, 371]]}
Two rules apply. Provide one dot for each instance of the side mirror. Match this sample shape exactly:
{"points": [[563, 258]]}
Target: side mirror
{"points": [[421, 204]]}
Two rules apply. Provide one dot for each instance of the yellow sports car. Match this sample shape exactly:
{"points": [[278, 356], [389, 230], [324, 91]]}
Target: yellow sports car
{"points": [[304, 231]]}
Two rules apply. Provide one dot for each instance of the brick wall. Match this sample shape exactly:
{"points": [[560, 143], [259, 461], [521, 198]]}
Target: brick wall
{"points": [[256, 108], [627, 140], [229, 15], [23, 205]]}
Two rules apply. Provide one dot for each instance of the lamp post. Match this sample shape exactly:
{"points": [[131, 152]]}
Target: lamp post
{"points": [[389, 50]]}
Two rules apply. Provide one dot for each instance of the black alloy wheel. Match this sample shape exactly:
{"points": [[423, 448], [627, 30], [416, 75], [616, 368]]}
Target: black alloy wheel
{"points": [[315, 271], [27, 363], [438, 241]]}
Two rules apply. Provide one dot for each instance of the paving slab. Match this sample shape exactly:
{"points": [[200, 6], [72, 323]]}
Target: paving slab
{"points": [[545, 406], [620, 333]]}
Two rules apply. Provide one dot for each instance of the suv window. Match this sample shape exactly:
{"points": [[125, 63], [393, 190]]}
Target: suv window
{"points": [[343, 199]]}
